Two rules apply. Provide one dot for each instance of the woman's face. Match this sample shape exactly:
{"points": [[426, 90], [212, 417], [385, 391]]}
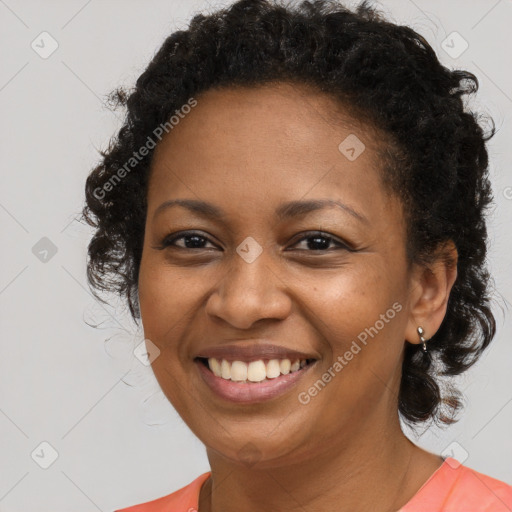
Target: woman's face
{"points": [[259, 274]]}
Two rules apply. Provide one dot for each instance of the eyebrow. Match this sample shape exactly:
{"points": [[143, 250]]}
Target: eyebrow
{"points": [[283, 212]]}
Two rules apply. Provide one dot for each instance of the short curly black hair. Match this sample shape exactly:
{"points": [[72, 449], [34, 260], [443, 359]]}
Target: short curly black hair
{"points": [[382, 73]]}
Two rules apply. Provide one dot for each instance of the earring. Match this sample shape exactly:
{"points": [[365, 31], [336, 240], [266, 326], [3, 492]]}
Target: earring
{"points": [[421, 332]]}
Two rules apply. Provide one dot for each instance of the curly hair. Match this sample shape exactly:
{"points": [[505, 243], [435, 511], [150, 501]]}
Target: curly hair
{"points": [[382, 73]]}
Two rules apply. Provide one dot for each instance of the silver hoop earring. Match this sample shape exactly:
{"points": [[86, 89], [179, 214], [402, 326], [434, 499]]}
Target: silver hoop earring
{"points": [[421, 332]]}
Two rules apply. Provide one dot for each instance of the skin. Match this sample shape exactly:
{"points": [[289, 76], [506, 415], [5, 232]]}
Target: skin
{"points": [[247, 151]]}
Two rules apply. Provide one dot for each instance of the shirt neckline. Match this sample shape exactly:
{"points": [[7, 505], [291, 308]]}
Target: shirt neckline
{"points": [[448, 462]]}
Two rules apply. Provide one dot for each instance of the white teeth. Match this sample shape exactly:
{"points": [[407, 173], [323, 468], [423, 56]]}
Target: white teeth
{"points": [[273, 369], [215, 366], [226, 369], [238, 370], [255, 371], [285, 365]]}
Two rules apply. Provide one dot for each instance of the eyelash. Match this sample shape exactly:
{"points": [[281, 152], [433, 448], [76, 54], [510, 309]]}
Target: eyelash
{"points": [[169, 240]]}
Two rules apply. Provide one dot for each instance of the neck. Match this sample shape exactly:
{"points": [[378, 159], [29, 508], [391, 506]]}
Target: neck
{"points": [[368, 468]]}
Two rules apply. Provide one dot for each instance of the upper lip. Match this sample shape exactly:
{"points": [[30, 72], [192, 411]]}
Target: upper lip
{"points": [[252, 352]]}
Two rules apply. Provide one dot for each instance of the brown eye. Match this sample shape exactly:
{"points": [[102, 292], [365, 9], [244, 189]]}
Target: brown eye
{"points": [[191, 240], [318, 241]]}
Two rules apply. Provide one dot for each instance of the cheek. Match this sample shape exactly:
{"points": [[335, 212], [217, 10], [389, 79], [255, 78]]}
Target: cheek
{"points": [[352, 298], [162, 299], [172, 303], [359, 313], [166, 298], [166, 293]]}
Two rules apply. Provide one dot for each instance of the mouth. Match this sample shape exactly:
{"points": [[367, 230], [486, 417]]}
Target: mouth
{"points": [[253, 371], [252, 381]]}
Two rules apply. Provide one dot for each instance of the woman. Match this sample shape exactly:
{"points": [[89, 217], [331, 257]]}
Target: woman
{"points": [[294, 209]]}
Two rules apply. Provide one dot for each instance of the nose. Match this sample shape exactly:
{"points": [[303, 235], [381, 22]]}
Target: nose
{"points": [[249, 292]]}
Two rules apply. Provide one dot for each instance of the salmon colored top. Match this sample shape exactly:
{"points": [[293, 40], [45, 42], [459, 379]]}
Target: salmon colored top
{"points": [[453, 487]]}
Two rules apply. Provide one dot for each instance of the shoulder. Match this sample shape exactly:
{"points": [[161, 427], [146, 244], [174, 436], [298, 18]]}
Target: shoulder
{"points": [[185, 499], [484, 491], [458, 488]]}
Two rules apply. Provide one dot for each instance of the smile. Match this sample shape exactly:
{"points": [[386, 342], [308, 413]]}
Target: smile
{"points": [[254, 371], [254, 381]]}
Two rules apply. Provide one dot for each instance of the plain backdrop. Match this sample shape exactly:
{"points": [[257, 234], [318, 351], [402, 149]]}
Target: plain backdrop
{"points": [[75, 398]]}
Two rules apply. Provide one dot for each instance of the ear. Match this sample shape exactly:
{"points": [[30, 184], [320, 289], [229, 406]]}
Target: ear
{"points": [[429, 291]]}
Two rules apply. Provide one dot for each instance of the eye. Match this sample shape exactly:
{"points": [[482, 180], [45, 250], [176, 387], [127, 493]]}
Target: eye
{"points": [[191, 240], [319, 241]]}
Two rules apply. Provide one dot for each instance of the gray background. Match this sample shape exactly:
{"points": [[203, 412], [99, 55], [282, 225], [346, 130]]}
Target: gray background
{"points": [[81, 389]]}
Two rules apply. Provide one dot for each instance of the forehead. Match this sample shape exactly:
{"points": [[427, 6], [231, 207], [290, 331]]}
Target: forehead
{"points": [[266, 144], [285, 109]]}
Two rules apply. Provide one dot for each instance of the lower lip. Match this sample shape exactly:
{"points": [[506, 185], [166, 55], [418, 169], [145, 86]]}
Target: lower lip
{"points": [[253, 392]]}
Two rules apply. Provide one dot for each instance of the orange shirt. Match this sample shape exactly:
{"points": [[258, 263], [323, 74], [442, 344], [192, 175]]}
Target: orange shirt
{"points": [[453, 487]]}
